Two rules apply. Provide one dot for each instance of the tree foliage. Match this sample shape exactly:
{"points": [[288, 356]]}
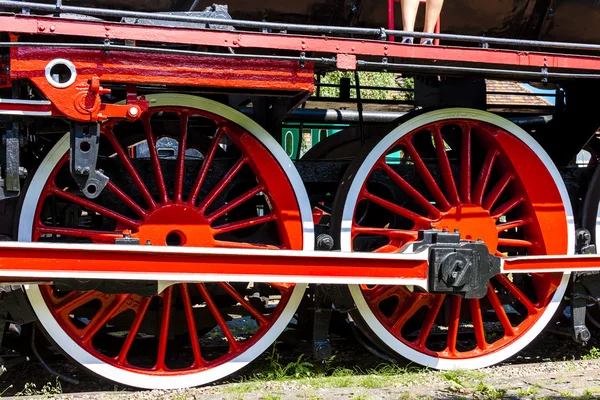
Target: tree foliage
{"points": [[381, 79]]}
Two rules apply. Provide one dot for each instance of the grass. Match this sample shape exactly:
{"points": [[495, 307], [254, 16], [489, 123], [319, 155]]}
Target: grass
{"points": [[462, 378], [484, 391], [271, 396], [593, 354], [530, 391], [49, 389], [326, 376]]}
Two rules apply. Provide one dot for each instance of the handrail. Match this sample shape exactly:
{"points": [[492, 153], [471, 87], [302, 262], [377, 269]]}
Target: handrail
{"points": [[380, 33]]}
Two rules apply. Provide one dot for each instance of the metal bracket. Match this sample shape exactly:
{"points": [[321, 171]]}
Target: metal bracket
{"points": [[579, 290], [12, 182], [579, 331], [583, 240], [321, 317], [458, 267], [85, 141]]}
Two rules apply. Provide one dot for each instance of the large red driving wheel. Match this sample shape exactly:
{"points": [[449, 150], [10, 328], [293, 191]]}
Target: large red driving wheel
{"points": [[191, 172], [482, 175]]}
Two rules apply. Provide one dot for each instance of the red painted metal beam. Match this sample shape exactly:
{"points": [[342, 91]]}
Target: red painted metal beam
{"points": [[79, 102], [561, 263], [47, 261], [42, 262], [273, 41]]}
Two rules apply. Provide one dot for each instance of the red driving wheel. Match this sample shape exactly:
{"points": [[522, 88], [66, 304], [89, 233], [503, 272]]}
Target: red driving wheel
{"points": [[191, 172], [465, 170]]}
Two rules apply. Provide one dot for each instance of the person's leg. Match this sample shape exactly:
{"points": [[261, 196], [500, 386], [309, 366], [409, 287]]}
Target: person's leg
{"points": [[432, 14], [409, 14]]}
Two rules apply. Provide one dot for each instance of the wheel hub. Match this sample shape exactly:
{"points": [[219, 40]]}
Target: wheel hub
{"points": [[176, 225], [473, 223]]}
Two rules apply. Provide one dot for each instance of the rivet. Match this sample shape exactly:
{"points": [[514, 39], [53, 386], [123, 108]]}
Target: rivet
{"points": [[52, 28]]}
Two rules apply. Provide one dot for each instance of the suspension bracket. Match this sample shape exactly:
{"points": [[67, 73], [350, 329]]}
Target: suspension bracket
{"points": [[85, 140]]}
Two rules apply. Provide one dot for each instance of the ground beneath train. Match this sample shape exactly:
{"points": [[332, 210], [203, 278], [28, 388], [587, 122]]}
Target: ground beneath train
{"points": [[553, 366]]}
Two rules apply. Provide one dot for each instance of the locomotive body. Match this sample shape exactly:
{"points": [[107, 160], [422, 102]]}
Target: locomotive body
{"points": [[163, 219]]}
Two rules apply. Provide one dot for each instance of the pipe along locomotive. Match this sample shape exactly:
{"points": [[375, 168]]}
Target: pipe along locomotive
{"points": [[156, 232]]}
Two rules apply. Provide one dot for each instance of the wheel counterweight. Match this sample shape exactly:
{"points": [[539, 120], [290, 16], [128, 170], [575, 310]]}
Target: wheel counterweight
{"points": [[192, 172], [464, 170]]}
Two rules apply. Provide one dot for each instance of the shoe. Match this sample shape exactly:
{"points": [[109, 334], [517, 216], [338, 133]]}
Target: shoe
{"points": [[427, 42], [407, 40]]}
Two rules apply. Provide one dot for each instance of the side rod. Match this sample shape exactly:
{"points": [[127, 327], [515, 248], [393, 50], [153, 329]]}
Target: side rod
{"points": [[28, 262], [42, 262]]}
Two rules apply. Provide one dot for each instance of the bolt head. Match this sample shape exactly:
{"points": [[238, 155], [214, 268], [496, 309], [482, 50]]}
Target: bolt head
{"points": [[133, 112]]}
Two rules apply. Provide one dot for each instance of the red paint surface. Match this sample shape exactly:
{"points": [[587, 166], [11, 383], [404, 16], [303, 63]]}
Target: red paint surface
{"points": [[318, 44], [80, 102]]}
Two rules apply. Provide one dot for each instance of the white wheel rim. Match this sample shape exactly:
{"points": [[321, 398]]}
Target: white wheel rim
{"points": [[346, 239], [142, 380]]}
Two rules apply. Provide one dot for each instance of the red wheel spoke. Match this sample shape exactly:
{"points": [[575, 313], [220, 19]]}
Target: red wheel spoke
{"points": [[411, 191], [430, 320], [93, 207], [180, 175], [477, 321], [499, 310], [431, 184], [165, 321], [140, 312], [382, 292], [221, 185], [95, 236], [453, 323], [245, 223], [445, 169], [107, 312], [205, 164], [240, 245], [233, 293], [406, 311], [484, 177], [506, 207], [517, 293], [191, 323], [234, 203], [514, 242], [158, 175], [71, 303], [396, 209], [282, 287], [513, 224], [465, 164], [400, 234], [126, 199], [495, 193], [130, 168], [233, 345], [59, 302]]}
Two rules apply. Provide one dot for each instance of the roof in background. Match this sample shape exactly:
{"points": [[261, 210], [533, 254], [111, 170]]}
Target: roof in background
{"points": [[512, 87]]}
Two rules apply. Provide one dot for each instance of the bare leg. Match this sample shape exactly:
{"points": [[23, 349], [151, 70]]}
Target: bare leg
{"points": [[409, 14], [432, 14]]}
